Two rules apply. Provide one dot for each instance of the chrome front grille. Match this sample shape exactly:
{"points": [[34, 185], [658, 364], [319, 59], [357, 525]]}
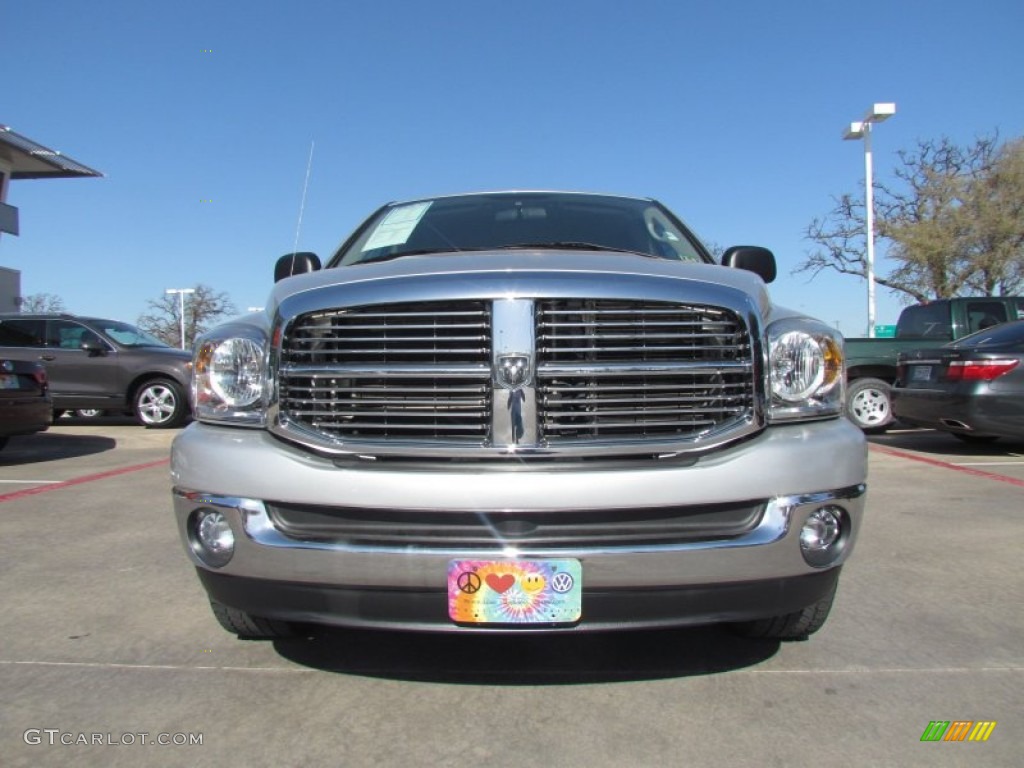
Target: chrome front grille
{"points": [[400, 371], [603, 377], [623, 369]]}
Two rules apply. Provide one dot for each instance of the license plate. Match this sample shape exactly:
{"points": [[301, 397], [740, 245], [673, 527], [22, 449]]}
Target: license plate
{"points": [[921, 373], [515, 591], [8, 382]]}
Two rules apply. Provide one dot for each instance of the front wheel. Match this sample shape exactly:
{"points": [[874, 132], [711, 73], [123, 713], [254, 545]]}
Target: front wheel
{"points": [[247, 626], [869, 404], [791, 626], [160, 404]]}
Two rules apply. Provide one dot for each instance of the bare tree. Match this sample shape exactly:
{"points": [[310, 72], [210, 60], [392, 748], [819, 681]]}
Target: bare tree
{"points": [[43, 302], [953, 222], [715, 249], [202, 307]]}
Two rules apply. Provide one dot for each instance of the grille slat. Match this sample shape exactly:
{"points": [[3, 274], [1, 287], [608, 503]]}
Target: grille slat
{"points": [[387, 352]]}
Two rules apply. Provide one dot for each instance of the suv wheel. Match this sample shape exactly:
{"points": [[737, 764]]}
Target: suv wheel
{"points": [[160, 404]]}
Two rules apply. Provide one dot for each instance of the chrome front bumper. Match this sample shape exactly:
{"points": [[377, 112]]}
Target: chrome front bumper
{"points": [[793, 470]]}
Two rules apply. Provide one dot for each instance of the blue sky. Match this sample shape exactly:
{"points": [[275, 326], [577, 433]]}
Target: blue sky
{"points": [[201, 116]]}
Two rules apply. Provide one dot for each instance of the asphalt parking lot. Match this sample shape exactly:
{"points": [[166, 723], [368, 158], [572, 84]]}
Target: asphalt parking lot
{"points": [[107, 639]]}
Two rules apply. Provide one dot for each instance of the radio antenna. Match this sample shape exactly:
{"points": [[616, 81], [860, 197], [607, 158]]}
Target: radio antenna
{"points": [[302, 205]]}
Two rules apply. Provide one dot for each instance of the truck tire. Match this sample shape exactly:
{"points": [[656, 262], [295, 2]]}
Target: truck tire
{"points": [[869, 404], [247, 626], [160, 404], [791, 626]]}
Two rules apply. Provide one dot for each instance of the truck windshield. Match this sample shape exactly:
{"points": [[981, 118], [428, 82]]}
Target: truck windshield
{"points": [[521, 220]]}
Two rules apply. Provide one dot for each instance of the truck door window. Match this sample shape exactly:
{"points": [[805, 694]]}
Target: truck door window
{"points": [[985, 314]]}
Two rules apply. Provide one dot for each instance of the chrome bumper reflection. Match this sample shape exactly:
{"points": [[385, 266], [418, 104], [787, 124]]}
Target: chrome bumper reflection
{"points": [[265, 552]]}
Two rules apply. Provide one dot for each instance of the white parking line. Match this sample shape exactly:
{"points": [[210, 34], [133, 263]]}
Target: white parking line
{"points": [[33, 482]]}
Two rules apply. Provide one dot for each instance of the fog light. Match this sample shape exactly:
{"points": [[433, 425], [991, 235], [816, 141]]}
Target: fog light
{"points": [[212, 538], [821, 538]]}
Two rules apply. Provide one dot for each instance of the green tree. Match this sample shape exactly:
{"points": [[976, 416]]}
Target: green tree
{"points": [[202, 308], [953, 223]]}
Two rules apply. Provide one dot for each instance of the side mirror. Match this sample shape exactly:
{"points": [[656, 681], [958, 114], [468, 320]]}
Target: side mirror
{"points": [[752, 258], [92, 345], [296, 264]]}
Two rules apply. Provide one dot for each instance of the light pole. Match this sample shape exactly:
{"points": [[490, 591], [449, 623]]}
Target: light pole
{"points": [[862, 130], [181, 303]]}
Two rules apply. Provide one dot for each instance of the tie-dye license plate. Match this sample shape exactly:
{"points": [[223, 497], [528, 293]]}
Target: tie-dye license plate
{"points": [[514, 591]]}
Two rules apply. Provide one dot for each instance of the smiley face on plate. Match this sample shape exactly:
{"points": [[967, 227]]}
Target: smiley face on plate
{"points": [[533, 582]]}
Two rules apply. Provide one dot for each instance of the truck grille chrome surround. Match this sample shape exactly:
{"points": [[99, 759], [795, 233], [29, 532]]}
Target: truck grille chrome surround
{"points": [[484, 378]]}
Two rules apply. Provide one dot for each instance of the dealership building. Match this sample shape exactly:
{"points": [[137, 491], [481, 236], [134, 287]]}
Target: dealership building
{"points": [[23, 158]]}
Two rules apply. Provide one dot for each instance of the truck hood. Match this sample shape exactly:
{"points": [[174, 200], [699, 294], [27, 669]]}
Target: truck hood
{"points": [[510, 273]]}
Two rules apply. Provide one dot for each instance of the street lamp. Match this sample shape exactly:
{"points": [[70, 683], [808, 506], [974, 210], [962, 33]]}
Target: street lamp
{"points": [[181, 303], [862, 130]]}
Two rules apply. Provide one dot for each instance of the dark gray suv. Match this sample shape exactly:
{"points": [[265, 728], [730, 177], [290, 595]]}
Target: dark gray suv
{"points": [[102, 364]]}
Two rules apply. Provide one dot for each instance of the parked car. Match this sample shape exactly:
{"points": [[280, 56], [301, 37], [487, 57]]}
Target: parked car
{"points": [[25, 405], [520, 411], [972, 388], [92, 363], [871, 363]]}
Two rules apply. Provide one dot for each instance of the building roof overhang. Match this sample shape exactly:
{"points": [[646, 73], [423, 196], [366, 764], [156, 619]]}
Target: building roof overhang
{"points": [[30, 160]]}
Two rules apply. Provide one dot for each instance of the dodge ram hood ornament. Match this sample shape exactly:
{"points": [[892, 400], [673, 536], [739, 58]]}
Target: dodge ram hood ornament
{"points": [[513, 371]]}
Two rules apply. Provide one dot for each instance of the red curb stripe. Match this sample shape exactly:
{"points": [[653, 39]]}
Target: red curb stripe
{"points": [[945, 465], [79, 480]]}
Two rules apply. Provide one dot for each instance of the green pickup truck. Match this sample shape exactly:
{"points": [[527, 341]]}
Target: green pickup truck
{"points": [[871, 363]]}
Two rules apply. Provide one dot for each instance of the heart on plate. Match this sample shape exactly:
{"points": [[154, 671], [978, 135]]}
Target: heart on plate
{"points": [[501, 583]]}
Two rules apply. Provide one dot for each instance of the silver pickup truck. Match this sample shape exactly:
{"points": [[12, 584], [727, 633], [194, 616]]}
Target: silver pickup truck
{"points": [[520, 412]]}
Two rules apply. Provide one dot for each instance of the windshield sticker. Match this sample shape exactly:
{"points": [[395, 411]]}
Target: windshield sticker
{"points": [[395, 228]]}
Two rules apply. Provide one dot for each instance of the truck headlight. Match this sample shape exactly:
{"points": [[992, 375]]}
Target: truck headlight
{"points": [[229, 381], [805, 365]]}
